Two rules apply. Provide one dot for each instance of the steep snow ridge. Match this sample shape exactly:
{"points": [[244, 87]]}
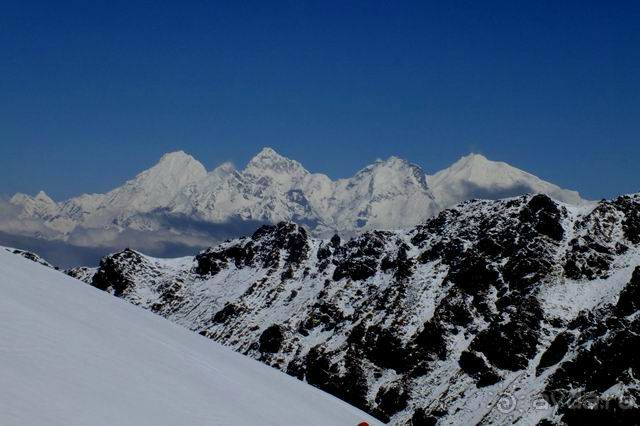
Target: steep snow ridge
{"points": [[41, 206], [73, 356], [277, 185], [152, 189], [390, 194], [474, 176], [29, 255], [213, 198], [159, 185], [269, 169], [426, 325]]}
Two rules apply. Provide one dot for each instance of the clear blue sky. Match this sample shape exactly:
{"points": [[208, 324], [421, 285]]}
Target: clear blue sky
{"points": [[93, 92]]}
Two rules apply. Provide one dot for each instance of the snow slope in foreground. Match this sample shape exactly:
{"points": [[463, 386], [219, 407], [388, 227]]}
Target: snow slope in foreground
{"points": [[72, 355]]}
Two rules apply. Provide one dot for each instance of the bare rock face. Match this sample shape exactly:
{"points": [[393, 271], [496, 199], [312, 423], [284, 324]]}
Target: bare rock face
{"points": [[523, 297]]}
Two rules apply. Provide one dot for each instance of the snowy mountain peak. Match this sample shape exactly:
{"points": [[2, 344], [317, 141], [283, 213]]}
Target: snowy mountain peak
{"points": [[472, 160], [478, 163], [275, 167], [474, 157], [266, 157], [177, 163], [389, 194], [392, 162], [177, 167], [397, 172], [270, 159], [156, 187], [268, 152], [20, 198], [39, 207], [225, 168], [42, 196], [475, 176], [179, 154]]}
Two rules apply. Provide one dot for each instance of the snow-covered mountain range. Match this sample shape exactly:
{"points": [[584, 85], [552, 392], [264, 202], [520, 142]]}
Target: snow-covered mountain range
{"points": [[73, 356], [179, 198], [517, 311]]}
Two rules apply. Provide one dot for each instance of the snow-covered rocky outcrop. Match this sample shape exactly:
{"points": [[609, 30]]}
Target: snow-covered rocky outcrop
{"points": [[179, 197], [522, 310], [30, 256], [73, 356]]}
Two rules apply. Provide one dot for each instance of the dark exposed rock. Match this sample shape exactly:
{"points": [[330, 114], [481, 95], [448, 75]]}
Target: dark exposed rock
{"points": [[271, 339], [115, 272], [605, 411], [555, 352], [288, 236], [631, 224], [453, 310], [390, 400], [525, 269], [436, 225], [212, 261], [359, 258], [423, 418], [446, 250], [384, 348], [510, 345], [230, 310], [430, 343], [544, 215], [489, 247], [324, 252], [401, 265], [296, 369], [323, 314], [353, 384], [476, 367], [592, 251], [603, 363], [629, 300], [320, 372], [473, 274], [606, 356], [350, 387], [80, 273], [169, 298], [263, 247]]}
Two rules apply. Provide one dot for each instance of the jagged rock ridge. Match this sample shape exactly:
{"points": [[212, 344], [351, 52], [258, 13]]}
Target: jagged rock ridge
{"points": [[523, 297]]}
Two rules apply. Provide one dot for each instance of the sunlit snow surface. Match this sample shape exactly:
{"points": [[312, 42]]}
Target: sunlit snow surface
{"points": [[389, 194], [72, 355]]}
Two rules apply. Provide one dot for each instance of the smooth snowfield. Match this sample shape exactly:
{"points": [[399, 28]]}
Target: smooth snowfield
{"points": [[73, 355]]}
